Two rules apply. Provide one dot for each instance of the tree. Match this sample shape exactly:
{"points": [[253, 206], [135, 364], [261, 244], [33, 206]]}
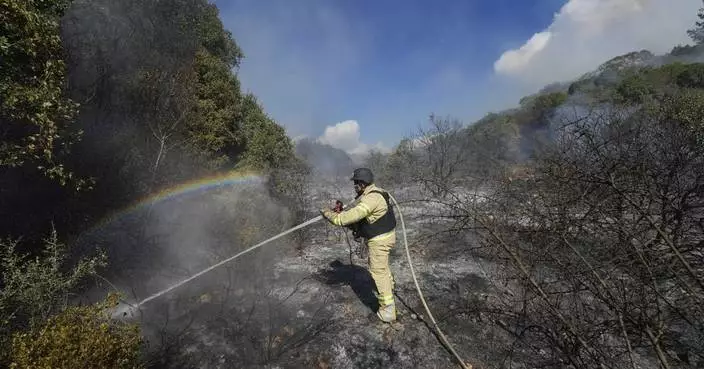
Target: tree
{"points": [[266, 143], [697, 33], [34, 111], [402, 163], [212, 129], [165, 101], [444, 150], [213, 132]]}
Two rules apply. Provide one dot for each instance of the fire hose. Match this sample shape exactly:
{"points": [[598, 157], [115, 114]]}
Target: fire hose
{"points": [[441, 336], [443, 339], [339, 207]]}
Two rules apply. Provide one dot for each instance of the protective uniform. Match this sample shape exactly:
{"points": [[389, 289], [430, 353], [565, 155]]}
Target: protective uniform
{"points": [[375, 222]]}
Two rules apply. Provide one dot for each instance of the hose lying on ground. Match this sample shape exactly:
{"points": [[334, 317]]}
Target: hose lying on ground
{"points": [[443, 339]]}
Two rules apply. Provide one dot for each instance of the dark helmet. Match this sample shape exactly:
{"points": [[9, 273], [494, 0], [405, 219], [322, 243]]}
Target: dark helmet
{"points": [[363, 175]]}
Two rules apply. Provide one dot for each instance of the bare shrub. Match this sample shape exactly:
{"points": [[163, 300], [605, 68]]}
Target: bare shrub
{"points": [[443, 149], [601, 246]]}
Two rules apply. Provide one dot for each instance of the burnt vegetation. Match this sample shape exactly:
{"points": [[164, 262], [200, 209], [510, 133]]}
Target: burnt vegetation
{"points": [[567, 232], [587, 203]]}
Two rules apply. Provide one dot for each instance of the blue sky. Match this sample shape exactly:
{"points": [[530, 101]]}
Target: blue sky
{"points": [[382, 67]]}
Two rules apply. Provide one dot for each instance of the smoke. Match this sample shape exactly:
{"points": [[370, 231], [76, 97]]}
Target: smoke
{"points": [[230, 313], [157, 246], [324, 159]]}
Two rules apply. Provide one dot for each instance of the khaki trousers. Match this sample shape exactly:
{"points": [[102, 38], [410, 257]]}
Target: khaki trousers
{"points": [[379, 248]]}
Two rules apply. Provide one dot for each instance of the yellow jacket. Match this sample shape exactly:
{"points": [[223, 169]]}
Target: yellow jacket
{"points": [[371, 206]]}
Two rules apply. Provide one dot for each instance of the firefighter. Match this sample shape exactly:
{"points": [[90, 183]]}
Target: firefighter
{"points": [[373, 219]]}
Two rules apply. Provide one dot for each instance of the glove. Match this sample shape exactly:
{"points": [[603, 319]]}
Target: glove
{"points": [[327, 214]]}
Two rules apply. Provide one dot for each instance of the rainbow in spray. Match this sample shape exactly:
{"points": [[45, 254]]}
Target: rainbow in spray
{"points": [[200, 185]]}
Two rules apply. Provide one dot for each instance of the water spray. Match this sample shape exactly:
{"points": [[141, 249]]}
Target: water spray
{"points": [[129, 309]]}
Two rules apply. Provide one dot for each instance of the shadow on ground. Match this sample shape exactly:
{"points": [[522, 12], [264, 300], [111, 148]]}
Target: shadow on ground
{"points": [[354, 276]]}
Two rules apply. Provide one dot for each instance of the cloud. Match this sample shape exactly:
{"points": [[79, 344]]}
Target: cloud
{"points": [[586, 33], [514, 60], [297, 54], [345, 136]]}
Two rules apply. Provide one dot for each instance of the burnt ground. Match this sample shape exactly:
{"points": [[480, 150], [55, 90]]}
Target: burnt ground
{"points": [[310, 306], [453, 287]]}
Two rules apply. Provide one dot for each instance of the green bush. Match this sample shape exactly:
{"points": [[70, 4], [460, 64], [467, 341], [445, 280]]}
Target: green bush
{"points": [[692, 76], [266, 144], [634, 89], [79, 337], [34, 288]]}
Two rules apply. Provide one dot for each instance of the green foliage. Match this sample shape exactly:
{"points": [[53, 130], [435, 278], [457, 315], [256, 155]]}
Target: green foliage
{"points": [[161, 103], [266, 143], [34, 112], [226, 125], [684, 108], [33, 288], [645, 84], [539, 107], [579, 86], [549, 101], [215, 39], [691, 77], [79, 337], [496, 135], [634, 89], [212, 128]]}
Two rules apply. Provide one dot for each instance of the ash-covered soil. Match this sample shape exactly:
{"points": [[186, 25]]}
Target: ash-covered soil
{"points": [[454, 288], [310, 306]]}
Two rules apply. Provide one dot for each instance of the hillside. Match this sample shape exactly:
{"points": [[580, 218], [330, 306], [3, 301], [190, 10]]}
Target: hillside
{"points": [[566, 232], [572, 202], [324, 159]]}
